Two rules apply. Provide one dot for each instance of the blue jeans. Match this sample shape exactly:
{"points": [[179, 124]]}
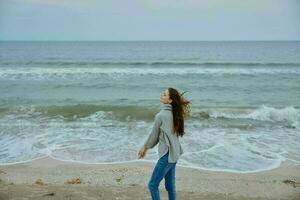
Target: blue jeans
{"points": [[166, 170]]}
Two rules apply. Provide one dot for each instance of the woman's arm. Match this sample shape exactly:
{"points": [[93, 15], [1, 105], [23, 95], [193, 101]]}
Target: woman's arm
{"points": [[152, 139], [154, 135]]}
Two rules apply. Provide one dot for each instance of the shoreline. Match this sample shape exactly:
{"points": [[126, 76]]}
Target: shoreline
{"points": [[60, 179], [137, 161]]}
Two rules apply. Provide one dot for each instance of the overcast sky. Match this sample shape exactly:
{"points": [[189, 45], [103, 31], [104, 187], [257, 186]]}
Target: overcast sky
{"points": [[150, 20]]}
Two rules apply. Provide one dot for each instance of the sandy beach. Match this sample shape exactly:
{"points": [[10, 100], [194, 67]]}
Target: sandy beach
{"points": [[47, 178]]}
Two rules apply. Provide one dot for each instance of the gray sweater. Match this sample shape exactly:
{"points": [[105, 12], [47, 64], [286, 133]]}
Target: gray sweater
{"points": [[162, 133]]}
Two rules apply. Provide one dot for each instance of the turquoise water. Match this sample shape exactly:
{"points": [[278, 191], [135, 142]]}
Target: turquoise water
{"points": [[98, 99]]}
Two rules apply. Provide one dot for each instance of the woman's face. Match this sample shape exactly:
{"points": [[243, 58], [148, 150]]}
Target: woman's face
{"points": [[164, 97]]}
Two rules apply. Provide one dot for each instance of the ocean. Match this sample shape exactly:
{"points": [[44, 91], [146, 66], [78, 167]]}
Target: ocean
{"points": [[94, 102]]}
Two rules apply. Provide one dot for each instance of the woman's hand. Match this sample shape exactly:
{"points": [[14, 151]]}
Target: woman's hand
{"points": [[142, 152]]}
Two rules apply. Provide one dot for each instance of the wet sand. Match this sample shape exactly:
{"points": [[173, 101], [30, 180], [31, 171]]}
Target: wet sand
{"points": [[47, 178]]}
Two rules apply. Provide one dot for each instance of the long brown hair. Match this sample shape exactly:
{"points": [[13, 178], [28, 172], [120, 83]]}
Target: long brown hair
{"points": [[180, 109]]}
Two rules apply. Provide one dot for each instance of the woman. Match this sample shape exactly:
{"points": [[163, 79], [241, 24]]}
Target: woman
{"points": [[168, 126]]}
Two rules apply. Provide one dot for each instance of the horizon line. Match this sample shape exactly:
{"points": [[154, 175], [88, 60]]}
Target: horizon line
{"points": [[149, 40]]}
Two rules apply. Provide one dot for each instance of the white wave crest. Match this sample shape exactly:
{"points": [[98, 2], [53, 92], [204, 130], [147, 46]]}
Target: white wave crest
{"points": [[263, 113]]}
